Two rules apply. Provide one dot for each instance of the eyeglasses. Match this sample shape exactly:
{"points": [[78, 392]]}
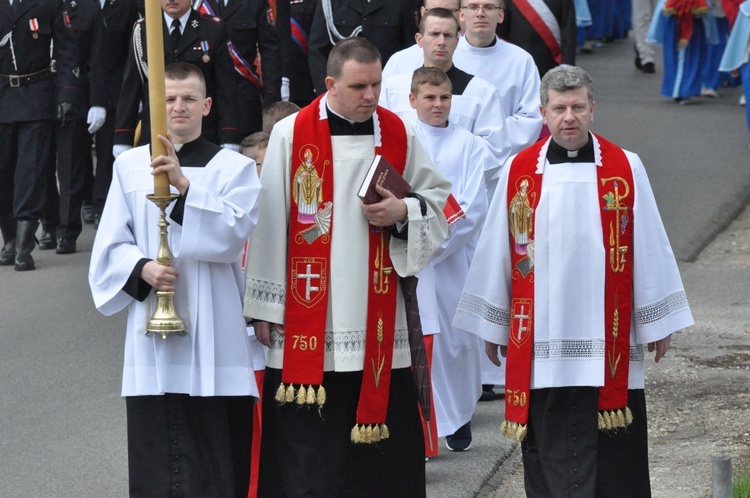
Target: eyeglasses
{"points": [[487, 9]]}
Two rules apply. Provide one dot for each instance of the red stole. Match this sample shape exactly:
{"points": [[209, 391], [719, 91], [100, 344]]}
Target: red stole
{"points": [[308, 274], [616, 197]]}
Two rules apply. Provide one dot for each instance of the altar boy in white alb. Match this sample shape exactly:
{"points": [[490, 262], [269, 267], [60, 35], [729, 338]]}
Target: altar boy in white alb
{"points": [[476, 104], [188, 398], [462, 158], [573, 275]]}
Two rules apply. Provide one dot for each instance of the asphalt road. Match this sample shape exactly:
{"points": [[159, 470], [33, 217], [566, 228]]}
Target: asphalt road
{"points": [[62, 422]]}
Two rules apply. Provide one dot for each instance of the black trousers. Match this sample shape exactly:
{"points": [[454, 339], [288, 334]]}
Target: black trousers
{"points": [[25, 151], [105, 139], [74, 162], [305, 452], [566, 455], [180, 445]]}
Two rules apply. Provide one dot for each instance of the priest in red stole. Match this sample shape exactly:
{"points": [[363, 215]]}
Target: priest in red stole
{"points": [[573, 275], [340, 413]]}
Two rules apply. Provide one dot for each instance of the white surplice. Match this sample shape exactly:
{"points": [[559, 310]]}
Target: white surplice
{"points": [[214, 358], [569, 262], [404, 61], [478, 108], [347, 299], [512, 71], [462, 158]]}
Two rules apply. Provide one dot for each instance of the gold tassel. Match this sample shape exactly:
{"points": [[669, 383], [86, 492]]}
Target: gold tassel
{"points": [[355, 434], [301, 395], [362, 434], [521, 433], [602, 426], [289, 397], [376, 433], [385, 433], [504, 428], [620, 419], [628, 416], [368, 434], [280, 394], [607, 420], [321, 396], [310, 399]]}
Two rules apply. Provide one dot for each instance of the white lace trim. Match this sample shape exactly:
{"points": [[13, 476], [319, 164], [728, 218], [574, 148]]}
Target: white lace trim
{"points": [[347, 344], [424, 249], [483, 309], [655, 312], [270, 295]]}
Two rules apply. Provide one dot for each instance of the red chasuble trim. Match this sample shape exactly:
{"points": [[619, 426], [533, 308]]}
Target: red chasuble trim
{"points": [[616, 195], [308, 274]]}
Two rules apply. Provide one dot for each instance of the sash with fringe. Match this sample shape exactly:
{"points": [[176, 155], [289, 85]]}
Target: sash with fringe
{"points": [[616, 197]]}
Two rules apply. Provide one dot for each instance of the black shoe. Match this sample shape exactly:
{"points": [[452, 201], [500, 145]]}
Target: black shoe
{"points": [[25, 231], [460, 440], [649, 68], [87, 214], [488, 393], [47, 241], [8, 254], [638, 64], [66, 246]]}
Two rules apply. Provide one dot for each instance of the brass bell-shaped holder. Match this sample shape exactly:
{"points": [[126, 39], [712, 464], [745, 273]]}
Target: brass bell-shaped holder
{"points": [[165, 319]]}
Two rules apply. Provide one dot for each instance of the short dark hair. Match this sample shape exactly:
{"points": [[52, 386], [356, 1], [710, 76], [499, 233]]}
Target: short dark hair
{"points": [[564, 78], [276, 112], [179, 71], [428, 76], [440, 13], [258, 139], [351, 49]]}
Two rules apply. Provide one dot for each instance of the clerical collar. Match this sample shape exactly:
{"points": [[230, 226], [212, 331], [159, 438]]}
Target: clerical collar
{"points": [[196, 154], [341, 126], [557, 154]]}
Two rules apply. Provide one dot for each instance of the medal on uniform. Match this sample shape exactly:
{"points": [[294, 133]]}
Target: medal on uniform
{"points": [[66, 18], [34, 25], [204, 46], [73, 4], [194, 24]]}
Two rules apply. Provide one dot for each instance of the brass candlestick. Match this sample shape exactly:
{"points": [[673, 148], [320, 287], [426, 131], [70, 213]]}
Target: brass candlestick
{"points": [[165, 319]]}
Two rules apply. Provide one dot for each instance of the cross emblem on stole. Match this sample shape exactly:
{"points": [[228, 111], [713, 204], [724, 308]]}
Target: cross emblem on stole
{"points": [[308, 276], [521, 322]]}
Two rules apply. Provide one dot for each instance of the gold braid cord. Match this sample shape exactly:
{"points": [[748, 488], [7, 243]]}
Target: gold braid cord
{"points": [[369, 433], [302, 396], [611, 420], [513, 430]]}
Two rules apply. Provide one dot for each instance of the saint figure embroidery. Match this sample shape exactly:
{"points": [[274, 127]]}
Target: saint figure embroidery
{"points": [[308, 188], [521, 224]]}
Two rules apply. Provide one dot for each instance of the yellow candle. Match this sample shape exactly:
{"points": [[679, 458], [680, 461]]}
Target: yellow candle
{"points": [[156, 91]]}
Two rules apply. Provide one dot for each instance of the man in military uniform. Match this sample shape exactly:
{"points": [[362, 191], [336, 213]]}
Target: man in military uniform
{"points": [[188, 37], [251, 27], [296, 49], [27, 123], [113, 32], [73, 138], [389, 24]]}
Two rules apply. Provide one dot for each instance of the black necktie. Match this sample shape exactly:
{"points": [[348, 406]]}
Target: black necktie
{"points": [[16, 5], [175, 35]]}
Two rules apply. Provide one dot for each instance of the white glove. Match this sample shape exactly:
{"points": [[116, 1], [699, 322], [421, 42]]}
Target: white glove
{"points": [[96, 118], [234, 147], [285, 89], [119, 149]]}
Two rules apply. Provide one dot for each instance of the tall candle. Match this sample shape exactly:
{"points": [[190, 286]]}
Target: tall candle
{"points": [[156, 91]]}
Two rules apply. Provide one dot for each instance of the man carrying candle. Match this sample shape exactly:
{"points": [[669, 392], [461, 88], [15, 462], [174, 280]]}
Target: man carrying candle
{"points": [[188, 398]]}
